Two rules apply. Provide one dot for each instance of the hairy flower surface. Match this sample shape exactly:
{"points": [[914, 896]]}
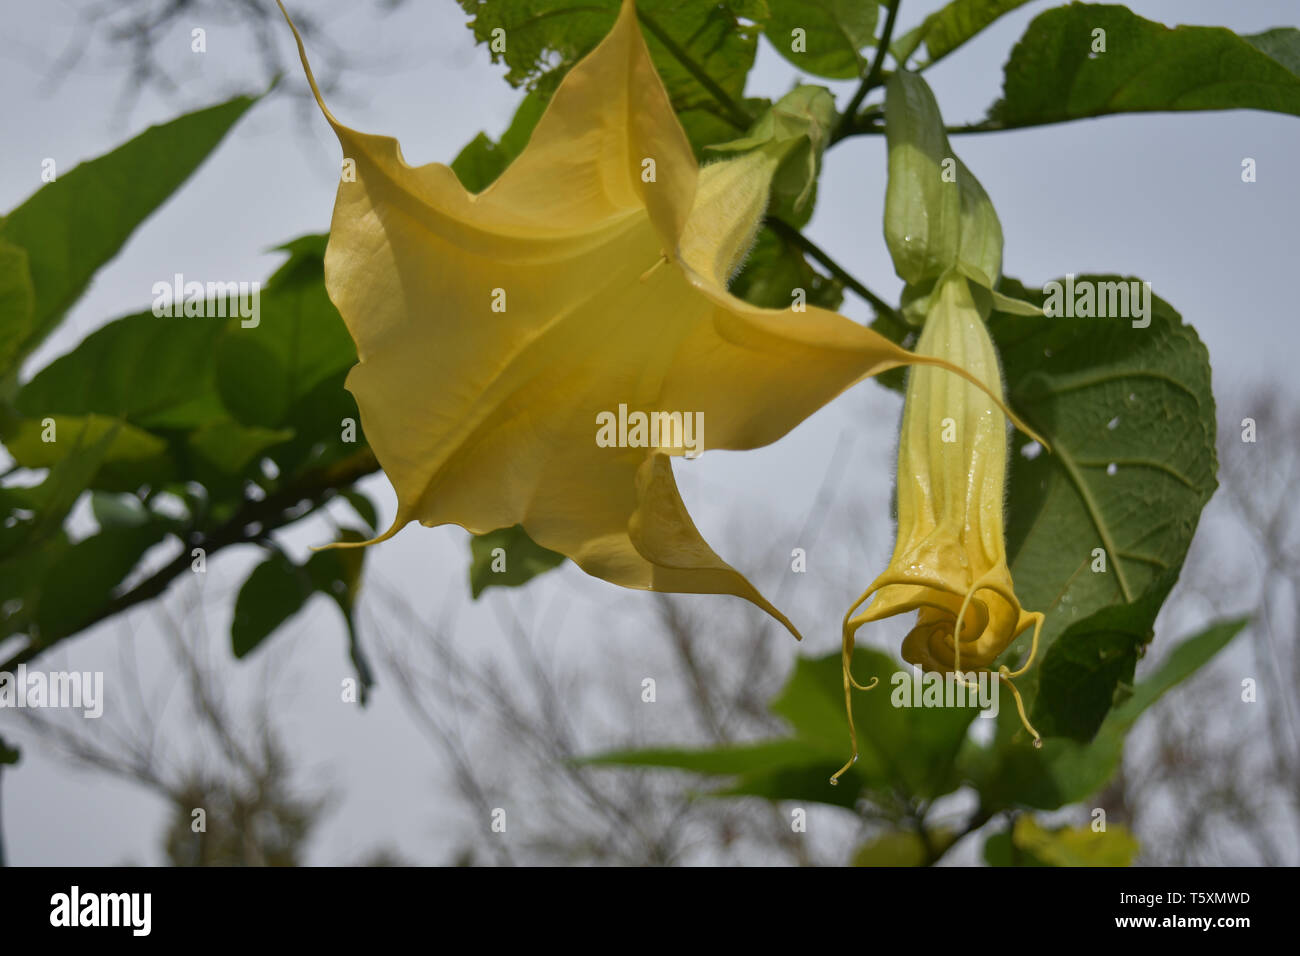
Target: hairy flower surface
{"points": [[950, 561], [493, 330]]}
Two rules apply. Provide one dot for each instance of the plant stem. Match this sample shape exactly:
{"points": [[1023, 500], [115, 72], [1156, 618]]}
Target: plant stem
{"points": [[792, 235], [316, 487], [872, 80]]}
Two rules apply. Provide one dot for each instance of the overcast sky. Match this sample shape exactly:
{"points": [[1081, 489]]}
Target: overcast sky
{"points": [[1156, 196]]}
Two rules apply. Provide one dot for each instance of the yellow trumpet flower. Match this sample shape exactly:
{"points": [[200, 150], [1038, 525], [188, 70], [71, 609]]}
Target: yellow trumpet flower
{"points": [[500, 334], [950, 561]]}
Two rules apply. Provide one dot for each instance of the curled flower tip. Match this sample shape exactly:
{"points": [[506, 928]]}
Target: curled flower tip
{"points": [[835, 777], [1004, 672]]}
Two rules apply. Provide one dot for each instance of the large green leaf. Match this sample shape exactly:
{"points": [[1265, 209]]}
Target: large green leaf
{"points": [[1090, 666], [543, 38], [951, 26], [72, 226], [1130, 418], [134, 457], [298, 342], [37, 512], [1065, 771], [84, 577], [148, 371], [834, 34], [1055, 75]]}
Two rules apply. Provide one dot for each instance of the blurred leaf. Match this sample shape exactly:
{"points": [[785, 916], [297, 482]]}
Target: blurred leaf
{"points": [[365, 509], [520, 559], [904, 750], [336, 572], [17, 303], [733, 759], [84, 577], [44, 506], [74, 225], [835, 31], [1075, 846], [118, 510], [274, 592], [1065, 771], [1054, 75], [951, 26], [132, 458], [8, 754], [228, 447], [999, 850], [902, 848], [1130, 417], [773, 271], [277, 589]]}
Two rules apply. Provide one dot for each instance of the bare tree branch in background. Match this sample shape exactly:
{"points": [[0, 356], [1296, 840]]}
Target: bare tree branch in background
{"points": [[235, 766]]}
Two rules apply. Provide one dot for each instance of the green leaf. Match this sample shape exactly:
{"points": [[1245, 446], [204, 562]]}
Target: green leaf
{"points": [[336, 572], [544, 38], [834, 34], [1054, 75], [479, 164], [17, 304], [277, 589], [903, 749], [227, 447], [1130, 417], [1075, 846], [721, 761], [149, 371], [508, 558], [299, 342], [134, 457], [8, 754], [72, 226], [1065, 771], [948, 28], [274, 592], [44, 506], [1092, 663], [775, 269], [85, 576]]}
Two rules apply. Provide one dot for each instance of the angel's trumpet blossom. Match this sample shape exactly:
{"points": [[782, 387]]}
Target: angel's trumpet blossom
{"points": [[950, 561], [502, 335]]}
